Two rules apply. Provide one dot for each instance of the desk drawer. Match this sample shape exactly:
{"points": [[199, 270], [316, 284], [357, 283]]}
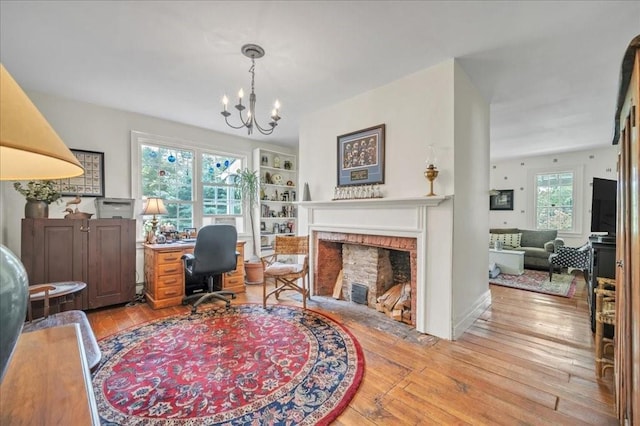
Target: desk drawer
{"points": [[167, 292], [170, 268], [169, 257], [235, 279], [174, 280]]}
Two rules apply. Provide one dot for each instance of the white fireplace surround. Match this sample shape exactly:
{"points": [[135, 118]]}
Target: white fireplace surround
{"points": [[427, 219]]}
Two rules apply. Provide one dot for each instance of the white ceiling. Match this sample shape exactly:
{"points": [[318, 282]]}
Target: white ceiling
{"points": [[550, 70]]}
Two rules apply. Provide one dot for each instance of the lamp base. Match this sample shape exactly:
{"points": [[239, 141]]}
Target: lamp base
{"points": [[431, 174]]}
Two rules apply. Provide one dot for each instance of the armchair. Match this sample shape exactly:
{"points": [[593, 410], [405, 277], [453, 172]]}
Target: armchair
{"points": [[570, 257], [286, 275], [214, 254]]}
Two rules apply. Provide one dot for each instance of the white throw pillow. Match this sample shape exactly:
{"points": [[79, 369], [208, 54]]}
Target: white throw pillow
{"points": [[508, 240]]}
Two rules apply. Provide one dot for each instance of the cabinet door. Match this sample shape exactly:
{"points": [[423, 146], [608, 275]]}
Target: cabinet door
{"points": [[111, 262], [53, 251]]}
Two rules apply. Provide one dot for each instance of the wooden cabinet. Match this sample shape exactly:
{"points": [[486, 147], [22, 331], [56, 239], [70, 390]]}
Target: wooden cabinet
{"points": [[99, 252], [164, 273], [627, 343]]}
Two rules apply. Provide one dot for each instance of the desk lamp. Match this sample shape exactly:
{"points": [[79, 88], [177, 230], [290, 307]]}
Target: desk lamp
{"points": [[29, 149], [154, 206]]}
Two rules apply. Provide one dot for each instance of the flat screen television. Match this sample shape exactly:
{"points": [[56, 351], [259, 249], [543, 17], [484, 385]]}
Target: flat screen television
{"points": [[603, 206]]}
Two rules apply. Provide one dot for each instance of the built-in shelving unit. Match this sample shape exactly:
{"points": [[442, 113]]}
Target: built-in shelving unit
{"points": [[278, 214]]}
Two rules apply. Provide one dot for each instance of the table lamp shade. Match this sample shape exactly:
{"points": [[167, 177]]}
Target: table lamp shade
{"points": [[29, 147], [154, 206]]}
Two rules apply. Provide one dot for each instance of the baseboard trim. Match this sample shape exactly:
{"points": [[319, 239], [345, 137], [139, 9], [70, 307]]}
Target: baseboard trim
{"points": [[478, 308]]}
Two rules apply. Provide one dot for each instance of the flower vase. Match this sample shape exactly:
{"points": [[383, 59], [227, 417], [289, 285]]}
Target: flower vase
{"points": [[35, 209]]}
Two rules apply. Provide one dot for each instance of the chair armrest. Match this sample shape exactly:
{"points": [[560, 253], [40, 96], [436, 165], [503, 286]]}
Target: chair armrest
{"points": [[189, 256], [268, 260], [553, 245], [187, 260]]}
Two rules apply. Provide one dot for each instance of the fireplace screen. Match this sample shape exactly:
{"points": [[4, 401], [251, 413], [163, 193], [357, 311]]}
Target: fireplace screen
{"points": [[359, 293]]}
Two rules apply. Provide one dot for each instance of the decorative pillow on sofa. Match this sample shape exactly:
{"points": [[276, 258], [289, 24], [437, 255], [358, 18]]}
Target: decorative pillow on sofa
{"points": [[508, 240]]}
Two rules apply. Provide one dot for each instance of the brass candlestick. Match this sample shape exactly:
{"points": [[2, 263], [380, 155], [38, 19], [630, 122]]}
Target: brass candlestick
{"points": [[431, 174]]}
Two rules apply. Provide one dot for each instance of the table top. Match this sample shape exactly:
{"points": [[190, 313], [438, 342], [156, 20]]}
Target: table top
{"points": [[60, 289], [47, 381], [504, 251]]}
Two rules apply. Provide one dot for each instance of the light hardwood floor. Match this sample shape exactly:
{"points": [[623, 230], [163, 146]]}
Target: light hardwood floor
{"points": [[529, 359]]}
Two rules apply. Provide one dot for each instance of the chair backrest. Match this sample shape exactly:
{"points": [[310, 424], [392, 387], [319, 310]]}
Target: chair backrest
{"points": [[215, 250], [291, 245]]}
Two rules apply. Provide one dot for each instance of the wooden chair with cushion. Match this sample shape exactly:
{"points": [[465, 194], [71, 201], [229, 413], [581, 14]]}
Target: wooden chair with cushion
{"points": [[285, 273]]}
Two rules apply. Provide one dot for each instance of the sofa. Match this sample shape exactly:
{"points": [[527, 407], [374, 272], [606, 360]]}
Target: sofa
{"points": [[537, 245]]}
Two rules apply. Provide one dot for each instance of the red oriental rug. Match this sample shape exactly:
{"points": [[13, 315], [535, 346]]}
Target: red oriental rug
{"points": [[538, 281], [242, 365]]}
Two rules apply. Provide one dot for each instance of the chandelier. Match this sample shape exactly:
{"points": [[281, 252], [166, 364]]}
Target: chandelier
{"points": [[254, 52]]}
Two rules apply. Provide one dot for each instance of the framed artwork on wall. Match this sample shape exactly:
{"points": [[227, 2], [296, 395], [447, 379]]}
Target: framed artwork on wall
{"points": [[91, 183], [361, 157], [503, 200]]}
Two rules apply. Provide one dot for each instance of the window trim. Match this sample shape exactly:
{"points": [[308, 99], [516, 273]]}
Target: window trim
{"points": [[139, 138], [578, 196]]}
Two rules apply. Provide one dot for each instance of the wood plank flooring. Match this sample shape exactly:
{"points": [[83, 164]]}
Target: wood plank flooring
{"points": [[529, 359]]}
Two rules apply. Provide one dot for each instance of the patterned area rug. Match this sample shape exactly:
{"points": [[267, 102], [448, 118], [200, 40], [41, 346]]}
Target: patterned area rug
{"points": [[538, 281], [243, 365]]}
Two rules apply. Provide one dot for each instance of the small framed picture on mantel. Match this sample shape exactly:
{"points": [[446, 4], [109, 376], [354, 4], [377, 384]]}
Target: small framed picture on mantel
{"points": [[502, 200]]}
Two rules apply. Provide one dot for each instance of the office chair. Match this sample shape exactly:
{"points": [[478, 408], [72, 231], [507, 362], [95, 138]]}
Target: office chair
{"points": [[214, 254]]}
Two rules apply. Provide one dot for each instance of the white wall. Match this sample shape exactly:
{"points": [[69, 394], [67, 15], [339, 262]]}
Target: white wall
{"points": [[471, 206], [437, 106], [516, 174], [95, 128]]}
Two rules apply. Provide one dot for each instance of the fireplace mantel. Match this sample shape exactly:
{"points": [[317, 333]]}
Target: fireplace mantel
{"points": [[375, 202]]}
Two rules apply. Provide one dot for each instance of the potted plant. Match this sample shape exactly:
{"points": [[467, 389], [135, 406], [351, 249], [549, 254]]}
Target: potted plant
{"points": [[248, 181], [39, 194]]}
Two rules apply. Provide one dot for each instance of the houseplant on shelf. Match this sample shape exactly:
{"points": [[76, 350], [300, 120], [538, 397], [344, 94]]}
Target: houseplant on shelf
{"points": [[39, 194], [248, 181]]}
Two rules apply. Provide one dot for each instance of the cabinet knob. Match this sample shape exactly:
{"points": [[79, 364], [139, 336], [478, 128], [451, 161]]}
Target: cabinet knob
{"points": [[620, 263], [84, 229]]}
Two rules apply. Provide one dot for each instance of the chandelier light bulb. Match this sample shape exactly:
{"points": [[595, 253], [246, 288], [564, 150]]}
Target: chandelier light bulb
{"points": [[276, 105], [249, 114], [274, 113], [241, 94], [225, 101]]}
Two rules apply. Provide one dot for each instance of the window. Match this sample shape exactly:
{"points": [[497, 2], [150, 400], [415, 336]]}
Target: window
{"points": [[219, 195], [554, 201], [196, 184]]}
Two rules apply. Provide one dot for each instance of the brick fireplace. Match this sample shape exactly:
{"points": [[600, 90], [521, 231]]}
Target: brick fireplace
{"points": [[377, 262], [419, 228]]}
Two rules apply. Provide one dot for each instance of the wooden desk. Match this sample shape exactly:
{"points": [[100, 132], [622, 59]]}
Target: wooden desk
{"points": [[48, 382], [164, 273]]}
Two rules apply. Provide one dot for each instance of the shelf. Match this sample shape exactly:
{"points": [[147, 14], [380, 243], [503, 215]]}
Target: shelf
{"points": [[273, 185], [278, 198], [277, 169], [276, 202]]}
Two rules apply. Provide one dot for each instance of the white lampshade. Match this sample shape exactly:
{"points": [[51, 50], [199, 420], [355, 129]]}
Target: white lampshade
{"points": [[154, 206], [29, 147]]}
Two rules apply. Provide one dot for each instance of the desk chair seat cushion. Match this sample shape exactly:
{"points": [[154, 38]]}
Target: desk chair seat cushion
{"points": [[279, 268], [91, 348]]}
